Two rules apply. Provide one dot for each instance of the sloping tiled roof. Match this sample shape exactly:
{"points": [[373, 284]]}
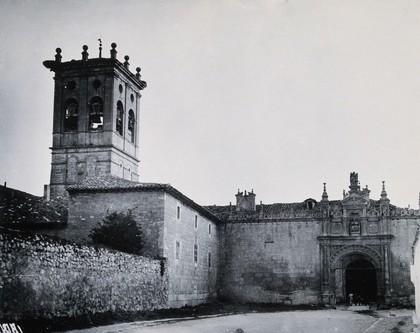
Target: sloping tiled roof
{"points": [[19, 209], [275, 210], [292, 210], [109, 183]]}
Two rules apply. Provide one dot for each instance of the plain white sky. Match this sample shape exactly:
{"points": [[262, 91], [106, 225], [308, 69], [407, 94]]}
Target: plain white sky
{"points": [[275, 96]]}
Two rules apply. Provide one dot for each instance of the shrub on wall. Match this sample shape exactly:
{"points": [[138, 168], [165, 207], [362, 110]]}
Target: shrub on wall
{"points": [[120, 232]]}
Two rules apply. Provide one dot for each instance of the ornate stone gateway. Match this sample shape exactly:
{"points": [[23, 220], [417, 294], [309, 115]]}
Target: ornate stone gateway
{"points": [[355, 247]]}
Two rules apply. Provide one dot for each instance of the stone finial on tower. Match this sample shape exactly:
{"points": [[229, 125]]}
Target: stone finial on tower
{"points": [[58, 55], [138, 76], [113, 51], [100, 47], [324, 193], [85, 54], [126, 63]]}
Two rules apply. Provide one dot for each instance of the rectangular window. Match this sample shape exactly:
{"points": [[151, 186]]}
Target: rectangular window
{"points": [[178, 212], [196, 221], [177, 249], [195, 253], [209, 259], [209, 228]]}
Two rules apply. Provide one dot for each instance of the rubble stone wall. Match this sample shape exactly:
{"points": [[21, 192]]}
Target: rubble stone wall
{"points": [[43, 277]]}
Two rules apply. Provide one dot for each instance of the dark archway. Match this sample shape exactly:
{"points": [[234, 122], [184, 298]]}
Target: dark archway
{"points": [[361, 281]]}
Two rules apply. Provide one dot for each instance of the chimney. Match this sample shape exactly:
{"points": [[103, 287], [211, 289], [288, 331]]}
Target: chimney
{"points": [[245, 201], [47, 193]]}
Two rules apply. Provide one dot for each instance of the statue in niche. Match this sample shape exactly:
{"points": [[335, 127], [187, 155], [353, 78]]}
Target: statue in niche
{"points": [[354, 179], [355, 228]]}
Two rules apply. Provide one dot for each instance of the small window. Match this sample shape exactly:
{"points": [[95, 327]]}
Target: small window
{"points": [[209, 259], [131, 126], [195, 253], [119, 118], [177, 250], [178, 212], [71, 115], [96, 114], [310, 204], [195, 221], [209, 229]]}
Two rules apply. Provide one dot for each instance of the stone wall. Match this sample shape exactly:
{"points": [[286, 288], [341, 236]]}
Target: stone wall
{"points": [[190, 282], [72, 165], [270, 262], [404, 232], [87, 209], [415, 277], [42, 277]]}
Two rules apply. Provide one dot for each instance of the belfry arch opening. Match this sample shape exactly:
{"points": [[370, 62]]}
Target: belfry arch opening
{"points": [[361, 281]]}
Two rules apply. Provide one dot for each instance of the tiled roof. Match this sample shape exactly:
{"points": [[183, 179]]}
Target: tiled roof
{"points": [[19, 209], [290, 211], [109, 182], [284, 210]]}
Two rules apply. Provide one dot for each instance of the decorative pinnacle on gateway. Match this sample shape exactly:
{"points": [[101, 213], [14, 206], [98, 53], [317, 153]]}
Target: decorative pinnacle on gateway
{"points": [[324, 193]]}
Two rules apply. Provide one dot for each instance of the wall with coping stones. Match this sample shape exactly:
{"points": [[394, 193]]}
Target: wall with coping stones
{"points": [[42, 277], [270, 262]]}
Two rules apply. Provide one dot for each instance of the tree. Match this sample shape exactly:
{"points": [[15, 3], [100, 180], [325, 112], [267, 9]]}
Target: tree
{"points": [[120, 232]]}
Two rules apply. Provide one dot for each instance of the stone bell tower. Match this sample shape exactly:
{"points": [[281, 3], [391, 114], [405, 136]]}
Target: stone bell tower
{"points": [[96, 119]]}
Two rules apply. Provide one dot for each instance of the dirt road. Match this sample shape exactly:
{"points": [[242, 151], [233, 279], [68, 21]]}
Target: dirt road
{"points": [[320, 321]]}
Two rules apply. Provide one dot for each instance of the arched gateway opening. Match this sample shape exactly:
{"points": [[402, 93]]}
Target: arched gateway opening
{"points": [[361, 281]]}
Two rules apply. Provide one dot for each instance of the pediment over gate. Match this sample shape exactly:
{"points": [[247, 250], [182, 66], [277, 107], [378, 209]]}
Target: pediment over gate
{"points": [[356, 198]]}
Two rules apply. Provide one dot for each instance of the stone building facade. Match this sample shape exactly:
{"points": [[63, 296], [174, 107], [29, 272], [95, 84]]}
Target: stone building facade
{"points": [[317, 252], [174, 227], [297, 253]]}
